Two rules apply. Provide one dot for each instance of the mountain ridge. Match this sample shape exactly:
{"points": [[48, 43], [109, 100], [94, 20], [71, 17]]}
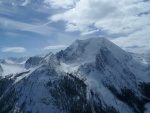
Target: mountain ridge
{"points": [[90, 76]]}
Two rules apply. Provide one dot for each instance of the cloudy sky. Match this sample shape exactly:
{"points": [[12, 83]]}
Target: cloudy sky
{"points": [[30, 27]]}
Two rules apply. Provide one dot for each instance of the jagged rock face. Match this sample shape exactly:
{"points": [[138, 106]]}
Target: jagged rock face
{"points": [[108, 80], [50, 59], [101, 59], [33, 62], [73, 52]]}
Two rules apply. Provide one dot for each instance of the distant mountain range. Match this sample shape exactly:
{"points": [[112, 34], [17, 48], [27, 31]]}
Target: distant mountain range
{"points": [[89, 76]]}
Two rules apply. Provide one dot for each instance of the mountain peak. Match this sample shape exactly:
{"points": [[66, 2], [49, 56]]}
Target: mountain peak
{"points": [[86, 50], [89, 40], [90, 76]]}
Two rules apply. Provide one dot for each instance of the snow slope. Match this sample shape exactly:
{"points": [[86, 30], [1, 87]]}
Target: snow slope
{"points": [[11, 69], [90, 76]]}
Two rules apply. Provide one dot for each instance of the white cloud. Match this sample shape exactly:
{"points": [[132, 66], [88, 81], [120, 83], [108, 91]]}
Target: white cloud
{"points": [[139, 39], [25, 3], [128, 19], [60, 3], [113, 16], [14, 49], [89, 32], [85, 14], [54, 47], [42, 29], [33, 27]]}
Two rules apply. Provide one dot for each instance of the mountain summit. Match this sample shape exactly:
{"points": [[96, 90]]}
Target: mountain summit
{"points": [[89, 76], [87, 49]]}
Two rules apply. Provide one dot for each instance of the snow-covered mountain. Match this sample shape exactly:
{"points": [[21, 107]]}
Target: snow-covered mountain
{"points": [[33, 62], [90, 76]]}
